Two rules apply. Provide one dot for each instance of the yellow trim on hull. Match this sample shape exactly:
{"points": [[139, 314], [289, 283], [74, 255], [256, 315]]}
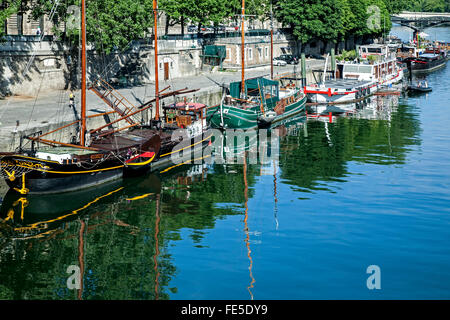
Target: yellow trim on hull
{"points": [[72, 172], [142, 163]]}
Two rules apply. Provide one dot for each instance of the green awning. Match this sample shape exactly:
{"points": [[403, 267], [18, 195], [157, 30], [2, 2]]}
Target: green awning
{"points": [[252, 84], [215, 51]]}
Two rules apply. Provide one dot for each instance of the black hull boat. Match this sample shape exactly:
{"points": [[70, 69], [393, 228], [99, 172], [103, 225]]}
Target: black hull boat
{"points": [[38, 176], [420, 86], [426, 62], [63, 168], [417, 89], [97, 156], [110, 151]]}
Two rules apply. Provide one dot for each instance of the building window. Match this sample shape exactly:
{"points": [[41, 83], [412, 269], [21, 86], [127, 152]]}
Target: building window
{"points": [[228, 57], [20, 23]]}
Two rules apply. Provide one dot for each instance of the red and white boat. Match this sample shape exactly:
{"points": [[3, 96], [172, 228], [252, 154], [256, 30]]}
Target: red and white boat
{"points": [[355, 80]]}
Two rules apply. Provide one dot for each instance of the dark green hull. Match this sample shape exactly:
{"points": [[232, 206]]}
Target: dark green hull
{"points": [[239, 118]]}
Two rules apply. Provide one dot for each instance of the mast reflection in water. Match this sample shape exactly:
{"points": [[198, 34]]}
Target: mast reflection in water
{"points": [[179, 234]]}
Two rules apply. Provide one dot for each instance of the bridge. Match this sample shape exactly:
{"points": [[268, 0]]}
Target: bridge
{"points": [[421, 20]]}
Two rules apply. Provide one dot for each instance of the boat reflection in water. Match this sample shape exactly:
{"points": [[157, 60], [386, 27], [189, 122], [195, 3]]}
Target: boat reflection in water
{"points": [[83, 230], [37, 216], [138, 238], [372, 108]]}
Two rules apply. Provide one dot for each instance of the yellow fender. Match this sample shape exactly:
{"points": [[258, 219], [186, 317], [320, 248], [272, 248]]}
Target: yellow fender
{"points": [[11, 176], [22, 190]]}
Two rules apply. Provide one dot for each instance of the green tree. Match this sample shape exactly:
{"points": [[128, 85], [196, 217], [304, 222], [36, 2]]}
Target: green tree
{"points": [[110, 24], [311, 19], [7, 8], [348, 18], [429, 6], [435, 5], [208, 12], [371, 17], [396, 6]]}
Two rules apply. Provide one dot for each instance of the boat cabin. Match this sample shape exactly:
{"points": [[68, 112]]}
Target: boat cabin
{"points": [[406, 51], [368, 72], [186, 115], [374, 50], [379, 69], [257, 90]]}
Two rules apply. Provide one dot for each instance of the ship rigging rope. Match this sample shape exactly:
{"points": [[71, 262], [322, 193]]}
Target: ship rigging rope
{"points": [[12, 172], [3, 110], [41, 37], [31, 114], [35, 100], [80, 164]]}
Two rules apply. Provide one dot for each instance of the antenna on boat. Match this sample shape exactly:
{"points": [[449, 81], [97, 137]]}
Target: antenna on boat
{"points": [[325, 69], [83, 73]]}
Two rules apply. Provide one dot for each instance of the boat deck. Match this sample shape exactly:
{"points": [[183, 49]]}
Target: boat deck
{"points": [[344, 83], [62, 150]]}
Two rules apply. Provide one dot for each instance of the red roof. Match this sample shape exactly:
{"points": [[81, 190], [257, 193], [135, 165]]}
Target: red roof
{"points": [[191, 105]]}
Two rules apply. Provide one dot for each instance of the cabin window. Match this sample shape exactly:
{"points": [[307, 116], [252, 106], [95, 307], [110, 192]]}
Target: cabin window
{"points": [[267, 51], [365, 69], [250, 54], [374, 50], [350, 68]]}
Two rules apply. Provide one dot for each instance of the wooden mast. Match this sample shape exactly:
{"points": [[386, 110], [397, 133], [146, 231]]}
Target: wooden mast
{"points": [[155, 32], [83, 73], [243, 50]]}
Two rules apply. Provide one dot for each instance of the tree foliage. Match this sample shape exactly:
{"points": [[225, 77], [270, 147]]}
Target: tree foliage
{"points": [[428, 6], [333, 20], [207, 12], [110, 24], [113, 24], [7, 8]]}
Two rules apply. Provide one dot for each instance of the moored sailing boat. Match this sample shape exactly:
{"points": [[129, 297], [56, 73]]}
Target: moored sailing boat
{"points": [[182, 127], [258, 101], [61, 167]]}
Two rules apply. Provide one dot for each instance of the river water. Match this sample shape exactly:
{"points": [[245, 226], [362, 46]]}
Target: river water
{"points": [[371, 188]]}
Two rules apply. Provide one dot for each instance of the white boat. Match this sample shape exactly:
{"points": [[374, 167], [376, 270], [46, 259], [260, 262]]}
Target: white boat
{"points": [[355, 80], [340, 90]]}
